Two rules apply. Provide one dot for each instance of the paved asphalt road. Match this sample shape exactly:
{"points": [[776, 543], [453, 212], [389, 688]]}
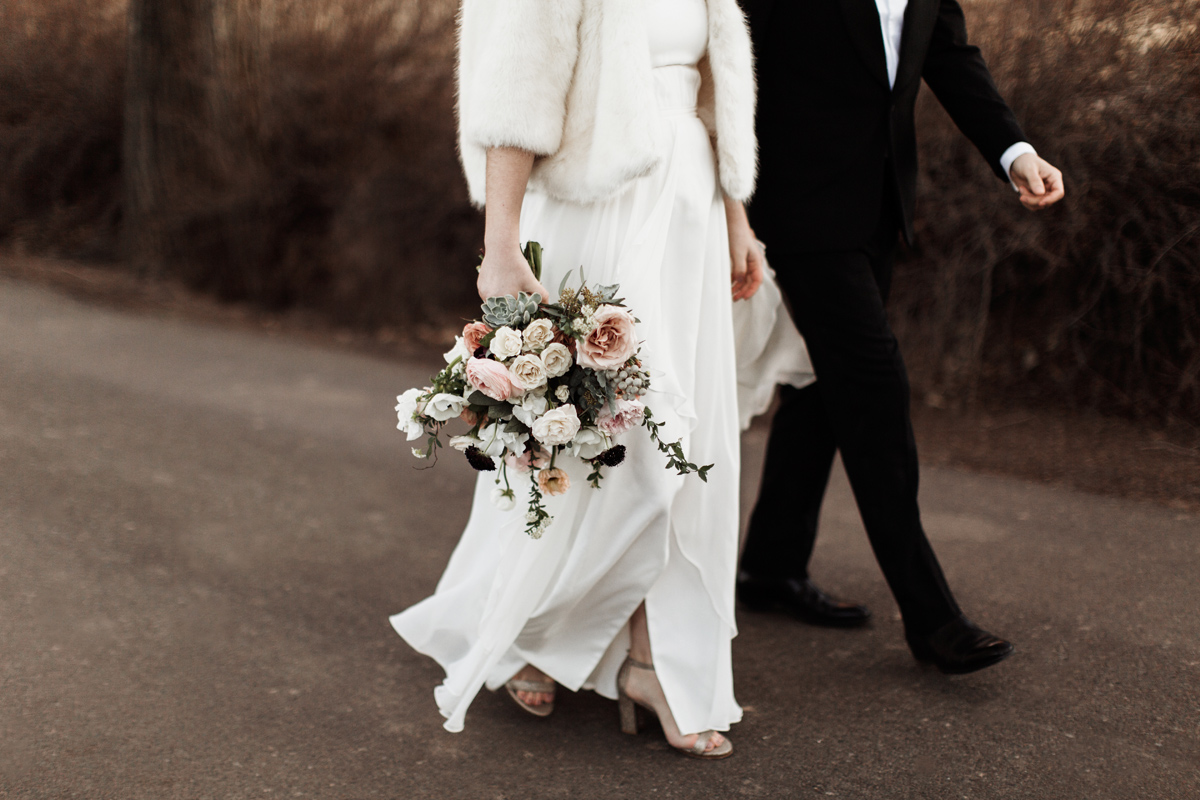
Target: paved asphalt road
{"points": [[202, 533]]}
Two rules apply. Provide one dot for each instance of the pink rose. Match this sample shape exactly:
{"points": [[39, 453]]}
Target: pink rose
{"points": [[627, 414], [489, 377], [472, 333], [535, 458], [611, 342]]}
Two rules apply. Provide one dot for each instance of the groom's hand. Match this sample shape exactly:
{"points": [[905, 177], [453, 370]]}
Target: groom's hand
{"points": [[1038, 181]]}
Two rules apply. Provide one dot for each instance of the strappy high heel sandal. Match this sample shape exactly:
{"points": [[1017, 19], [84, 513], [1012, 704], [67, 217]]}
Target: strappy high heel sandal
{"points": [[541, 687], [632, 721]]}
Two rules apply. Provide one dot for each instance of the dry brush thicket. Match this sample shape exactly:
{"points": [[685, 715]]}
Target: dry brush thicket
{"points": [[332, 184], [1096, 301]]}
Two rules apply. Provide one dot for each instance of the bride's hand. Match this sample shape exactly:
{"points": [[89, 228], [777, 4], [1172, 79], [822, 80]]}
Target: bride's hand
{"points": [[745, 252], [505, 271]]}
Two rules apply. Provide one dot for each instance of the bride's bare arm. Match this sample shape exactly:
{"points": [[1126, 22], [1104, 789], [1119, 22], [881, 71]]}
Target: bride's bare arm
{"points": [[504, 269], [745, 251]]}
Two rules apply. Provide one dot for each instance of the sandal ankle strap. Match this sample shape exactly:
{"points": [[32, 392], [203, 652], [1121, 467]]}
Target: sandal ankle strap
{"points": [[633, 662]]}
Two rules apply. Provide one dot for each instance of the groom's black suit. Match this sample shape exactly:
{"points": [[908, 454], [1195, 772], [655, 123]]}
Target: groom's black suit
{"points": [[837, 184]]}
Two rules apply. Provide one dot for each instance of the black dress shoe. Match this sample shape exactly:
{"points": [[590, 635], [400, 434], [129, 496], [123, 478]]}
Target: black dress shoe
{"points": [[960, 646], [800, 599]]}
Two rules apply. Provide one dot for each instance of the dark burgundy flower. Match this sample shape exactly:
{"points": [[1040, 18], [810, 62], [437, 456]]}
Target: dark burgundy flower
{"points": [[612, 456], [479, 460]]}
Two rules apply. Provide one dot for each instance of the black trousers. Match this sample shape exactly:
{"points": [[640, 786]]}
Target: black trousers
{"points": [[859, 405]]}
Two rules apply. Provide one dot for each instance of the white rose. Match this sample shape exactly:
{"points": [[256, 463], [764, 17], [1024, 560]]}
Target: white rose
{"points": [[494, 440], [588, 443], [532, 406], [563, 393], [506, 343], [557, 360], [528, 371], [557, 427], [408, 408], [504, 499], [443, 406], [538, 334], [459, 351]]}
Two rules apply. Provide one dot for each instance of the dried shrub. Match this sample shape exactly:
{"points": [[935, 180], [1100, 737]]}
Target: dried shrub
{"points": [[1095, 302], [329, 176], [61, 87]]}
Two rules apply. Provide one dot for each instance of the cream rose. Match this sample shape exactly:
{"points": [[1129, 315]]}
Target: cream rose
{"points": [[528, 371], [506, 343], [611, 342], [557, 359], [557, 427], [490, 377], [538, 334]]}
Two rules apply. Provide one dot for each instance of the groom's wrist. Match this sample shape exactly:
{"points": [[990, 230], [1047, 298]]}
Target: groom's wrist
{"points": [[1012, 154]]}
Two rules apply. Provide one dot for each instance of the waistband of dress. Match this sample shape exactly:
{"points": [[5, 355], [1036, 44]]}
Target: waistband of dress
{"points": [[677, 87]]}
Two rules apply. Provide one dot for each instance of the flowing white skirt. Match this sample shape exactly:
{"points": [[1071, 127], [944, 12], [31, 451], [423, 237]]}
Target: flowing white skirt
{"points": [[562, 602]]}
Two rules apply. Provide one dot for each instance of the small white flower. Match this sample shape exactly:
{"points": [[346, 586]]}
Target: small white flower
{"points": [[459, 351], [557, 360], [538, 334], [408, 408], [420, 453], [563, 393], [556, 427], [528, 371], [532, 406], [494, 440], [504, 499], [461, 443], [588, 443], [443, 406], [506, 343]]}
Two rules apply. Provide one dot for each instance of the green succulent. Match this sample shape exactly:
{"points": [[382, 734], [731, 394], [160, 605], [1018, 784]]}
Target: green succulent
{"points": [[515, 312]]}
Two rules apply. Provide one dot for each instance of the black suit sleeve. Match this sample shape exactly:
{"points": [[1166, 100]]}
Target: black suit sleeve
{"points": [[958, 76]]}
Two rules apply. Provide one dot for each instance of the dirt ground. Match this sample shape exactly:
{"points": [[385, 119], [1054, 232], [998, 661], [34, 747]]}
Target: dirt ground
{"points": [[1060, 447]]}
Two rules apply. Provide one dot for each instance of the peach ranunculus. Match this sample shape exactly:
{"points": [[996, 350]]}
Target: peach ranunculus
{"points": [[611, 342], [470, 417], [490, 377], [616, 421], [472, 333], [553, 481]]}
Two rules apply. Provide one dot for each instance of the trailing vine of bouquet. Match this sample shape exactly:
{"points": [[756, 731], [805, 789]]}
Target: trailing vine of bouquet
{"points": [[537, 382]]}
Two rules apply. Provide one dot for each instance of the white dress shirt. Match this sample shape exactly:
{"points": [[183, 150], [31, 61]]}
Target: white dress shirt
{"points": [[891, 21]]}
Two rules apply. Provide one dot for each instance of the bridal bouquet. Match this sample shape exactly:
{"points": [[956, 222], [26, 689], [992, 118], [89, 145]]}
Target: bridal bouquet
{"points": [[535, 381]]}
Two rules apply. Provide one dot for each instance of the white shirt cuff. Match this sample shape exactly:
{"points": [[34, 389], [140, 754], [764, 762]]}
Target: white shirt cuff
{"points": [[1011, 154]]}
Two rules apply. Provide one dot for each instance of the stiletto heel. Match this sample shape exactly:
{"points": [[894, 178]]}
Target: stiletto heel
{"points": [[631, 717]]}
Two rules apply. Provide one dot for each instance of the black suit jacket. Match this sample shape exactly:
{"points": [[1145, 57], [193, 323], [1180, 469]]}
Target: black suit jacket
{"points": [[833, 137]]}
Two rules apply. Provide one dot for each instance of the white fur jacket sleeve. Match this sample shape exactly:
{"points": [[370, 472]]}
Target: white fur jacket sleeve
{"points": [[570, 81]]}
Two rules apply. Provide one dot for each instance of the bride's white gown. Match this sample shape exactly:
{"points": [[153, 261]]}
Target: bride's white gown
{"points": [[562, 602]]}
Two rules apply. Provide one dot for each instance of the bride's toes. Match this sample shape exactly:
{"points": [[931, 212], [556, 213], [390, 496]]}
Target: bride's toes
{"points": [[714, 741]]}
